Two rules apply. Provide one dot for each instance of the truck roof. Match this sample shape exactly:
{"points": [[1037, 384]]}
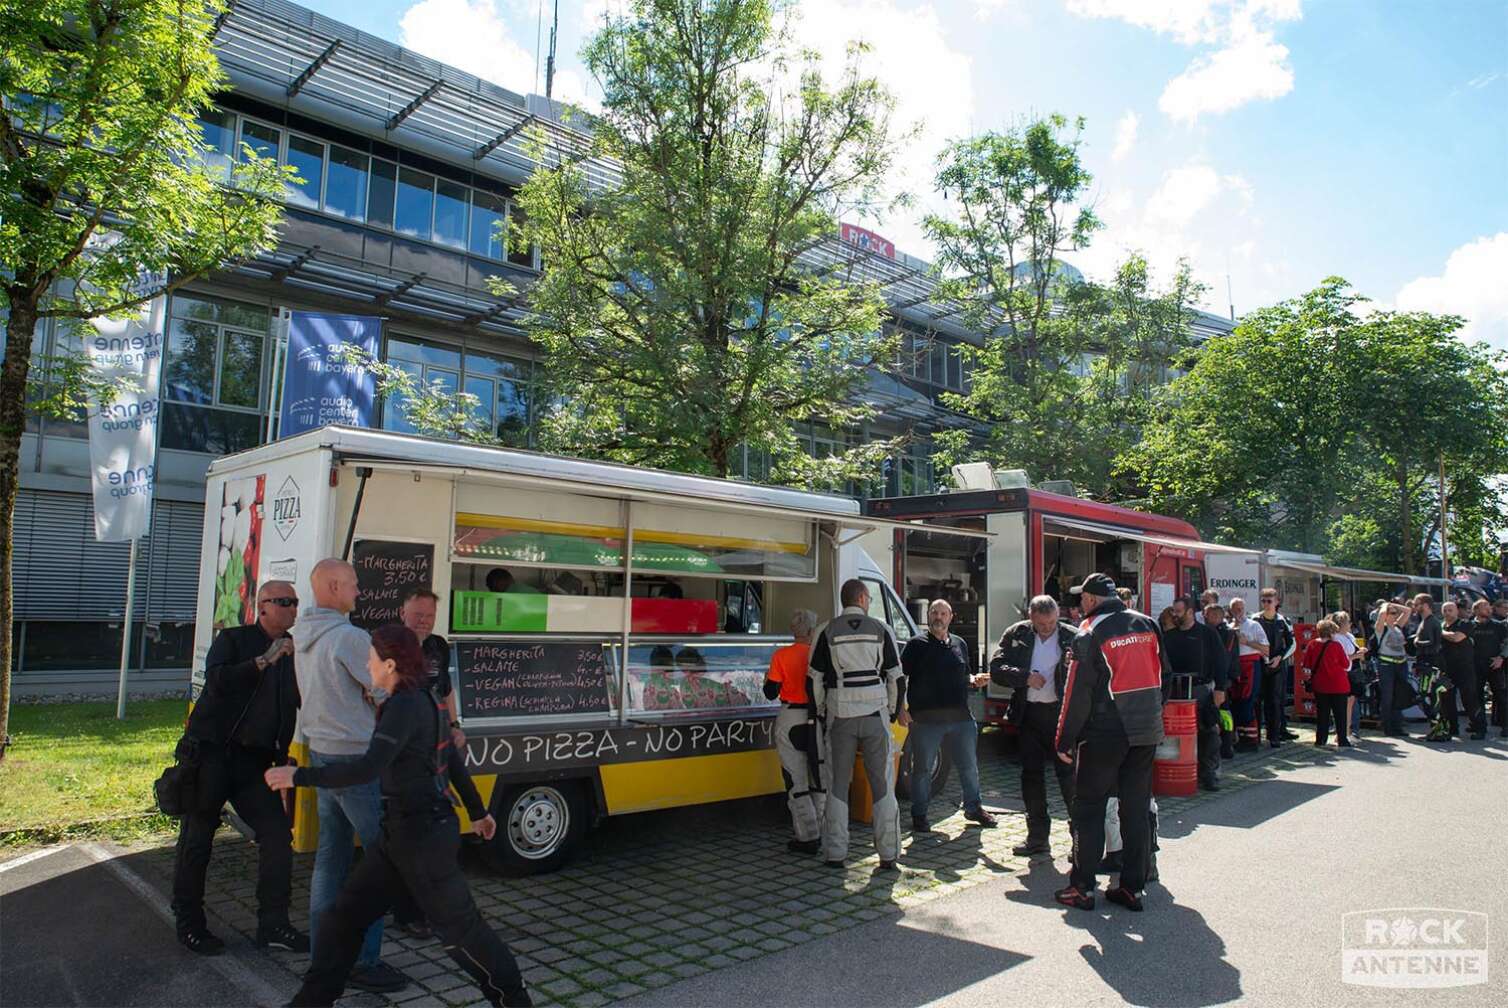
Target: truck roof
{"points": [[359, 444], [978, 502]]}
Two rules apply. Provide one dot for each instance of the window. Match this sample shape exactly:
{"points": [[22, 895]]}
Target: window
{"points": [[502, 386], [346, 184], [264, 141], [416, 201], [885, 607], [518, 256], [190, 370], [450, 213], [384, 189], [308, 157], [488, 213], [213, 378], [955, 368], [218, 128], [939, 370], [427, 363]]}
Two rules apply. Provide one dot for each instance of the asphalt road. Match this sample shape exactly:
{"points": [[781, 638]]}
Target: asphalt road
{"points": [[79, 926], [1254, 885], [1253, 888]]}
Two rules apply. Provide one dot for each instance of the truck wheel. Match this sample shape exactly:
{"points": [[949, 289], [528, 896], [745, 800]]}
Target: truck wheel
{"points": [[938, 773], [539, 827]]}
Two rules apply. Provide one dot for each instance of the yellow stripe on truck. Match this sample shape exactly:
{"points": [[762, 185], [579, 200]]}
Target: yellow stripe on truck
{"points": [[689, 780]]}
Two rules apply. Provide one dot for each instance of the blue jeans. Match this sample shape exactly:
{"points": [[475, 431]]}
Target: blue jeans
{"points": [[926, 739], [344, 814]]}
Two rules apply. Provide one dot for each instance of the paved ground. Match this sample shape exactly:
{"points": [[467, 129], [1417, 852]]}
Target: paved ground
{"points": [[705, 907]]}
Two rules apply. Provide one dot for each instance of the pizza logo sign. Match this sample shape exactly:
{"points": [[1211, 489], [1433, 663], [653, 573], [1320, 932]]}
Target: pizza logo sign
{"points": [[286, 508]]}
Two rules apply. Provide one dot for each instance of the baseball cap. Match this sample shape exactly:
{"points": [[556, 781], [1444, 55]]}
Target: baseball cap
{"points": [[1096, 584]]}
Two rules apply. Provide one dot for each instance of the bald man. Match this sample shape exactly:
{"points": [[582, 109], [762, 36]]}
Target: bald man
{"points": [[241, 725], [338, 717]]}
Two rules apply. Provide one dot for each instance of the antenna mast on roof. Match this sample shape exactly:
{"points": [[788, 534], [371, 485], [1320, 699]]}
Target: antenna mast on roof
{"points": [[1230, 298], [550, 60]]}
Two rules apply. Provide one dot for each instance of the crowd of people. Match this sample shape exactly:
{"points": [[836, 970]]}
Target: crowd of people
{"points": [[379, 715], [386, 747]]}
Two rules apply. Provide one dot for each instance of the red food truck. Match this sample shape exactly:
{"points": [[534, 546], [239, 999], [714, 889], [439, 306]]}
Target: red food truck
{"points": [[1017, 542]]}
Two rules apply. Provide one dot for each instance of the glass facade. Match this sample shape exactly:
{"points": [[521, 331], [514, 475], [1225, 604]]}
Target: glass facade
{"points": [[356, 186], [502, 385], [214, 379]]}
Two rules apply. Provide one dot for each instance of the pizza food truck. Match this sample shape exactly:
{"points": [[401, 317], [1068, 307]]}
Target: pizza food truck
{"points": [[620, 671], [1036, 542]]}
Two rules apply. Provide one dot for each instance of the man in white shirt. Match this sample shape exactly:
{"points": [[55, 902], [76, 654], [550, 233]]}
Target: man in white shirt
{"points": [[1032, 660], [1246, 683]]}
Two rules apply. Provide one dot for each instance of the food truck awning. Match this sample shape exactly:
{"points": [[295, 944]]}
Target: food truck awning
{"points": [[1355, 573], [1110, 532], [756, 505]]}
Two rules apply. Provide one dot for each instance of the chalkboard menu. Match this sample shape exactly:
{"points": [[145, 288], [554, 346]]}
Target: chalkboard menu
{"points": [[527, 679], [385, 573]]}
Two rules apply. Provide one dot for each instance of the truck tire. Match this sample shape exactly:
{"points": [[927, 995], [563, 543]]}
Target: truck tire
{"points": [[539, 827], [941, 767]]}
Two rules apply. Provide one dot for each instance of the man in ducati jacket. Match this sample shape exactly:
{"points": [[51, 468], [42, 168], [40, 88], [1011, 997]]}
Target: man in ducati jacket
{"points": [[1112, 721]]}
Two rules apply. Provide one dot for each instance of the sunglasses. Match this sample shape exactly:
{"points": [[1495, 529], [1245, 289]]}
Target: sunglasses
{"points": [[285, 602]]}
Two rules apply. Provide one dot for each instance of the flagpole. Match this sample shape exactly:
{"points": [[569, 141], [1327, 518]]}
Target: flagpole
{"points": [[125, 637]]}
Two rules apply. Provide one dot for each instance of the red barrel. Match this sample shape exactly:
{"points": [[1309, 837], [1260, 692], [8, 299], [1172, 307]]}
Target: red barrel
{"points": [[1176, 769]]}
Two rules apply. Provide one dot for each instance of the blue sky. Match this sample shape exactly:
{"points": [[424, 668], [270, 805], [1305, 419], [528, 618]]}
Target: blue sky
{"points": [[1278, 141]]}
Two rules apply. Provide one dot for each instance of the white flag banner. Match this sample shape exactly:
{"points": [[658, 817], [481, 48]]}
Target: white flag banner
{"points": [[127, 355]]}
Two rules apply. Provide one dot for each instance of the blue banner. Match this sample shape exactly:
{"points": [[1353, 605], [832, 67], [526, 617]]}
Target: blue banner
{"points": [[321, 387]]}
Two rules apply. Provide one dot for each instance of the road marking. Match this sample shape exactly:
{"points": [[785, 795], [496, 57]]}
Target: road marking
{"points": [[29, 858], [258, 990]]}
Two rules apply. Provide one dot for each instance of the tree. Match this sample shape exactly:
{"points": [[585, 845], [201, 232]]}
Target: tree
{"points": [[101, 186], [678, 317], [999, 259], [1118, 340], [1427, 398], [1319, 426]]}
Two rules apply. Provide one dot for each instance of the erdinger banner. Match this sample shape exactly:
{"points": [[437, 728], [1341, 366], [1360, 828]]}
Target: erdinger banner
{"points": [[319, 386], [125, 355]]}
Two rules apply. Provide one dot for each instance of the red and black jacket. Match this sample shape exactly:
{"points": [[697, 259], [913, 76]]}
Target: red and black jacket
{"points": [[1115, 679]]}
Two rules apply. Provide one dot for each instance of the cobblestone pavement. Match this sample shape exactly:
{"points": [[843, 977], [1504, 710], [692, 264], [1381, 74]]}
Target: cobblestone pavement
{"points": [[661, 897]]}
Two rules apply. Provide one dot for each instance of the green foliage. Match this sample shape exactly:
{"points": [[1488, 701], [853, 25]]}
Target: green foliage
{"points": [[675, 312], [104, 200], [99, 182], [431, 409], [1076, 414], [1320, 427], [1017, 193]]}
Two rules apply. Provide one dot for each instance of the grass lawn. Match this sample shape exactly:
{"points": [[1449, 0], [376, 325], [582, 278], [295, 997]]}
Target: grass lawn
{"points": [[73, 770]]}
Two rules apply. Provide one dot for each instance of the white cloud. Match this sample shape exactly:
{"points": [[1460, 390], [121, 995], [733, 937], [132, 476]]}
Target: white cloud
{"points": [[1125, 135], [1189, 21], [931, 81], [1192, 214], [478, 37], [988, 8], [1472, 285], [1252, 69], [1246, 64]]}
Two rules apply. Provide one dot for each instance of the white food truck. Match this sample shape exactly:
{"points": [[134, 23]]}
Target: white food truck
{"points": [[619, 671]]}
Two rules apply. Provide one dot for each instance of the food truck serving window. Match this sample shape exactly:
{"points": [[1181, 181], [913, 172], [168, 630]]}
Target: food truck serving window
{"points": [[671, 676], [578, 531]]}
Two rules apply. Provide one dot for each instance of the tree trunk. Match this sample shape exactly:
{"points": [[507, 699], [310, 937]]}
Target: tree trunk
{"points": [[18, 337], [1404, 520]]}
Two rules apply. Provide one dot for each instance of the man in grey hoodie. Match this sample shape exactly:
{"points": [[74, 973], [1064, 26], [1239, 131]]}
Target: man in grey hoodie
{"points": [[337, 719]]}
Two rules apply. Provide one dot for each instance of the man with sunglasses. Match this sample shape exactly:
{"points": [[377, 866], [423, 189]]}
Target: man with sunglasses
{"points": [[241, 724]]}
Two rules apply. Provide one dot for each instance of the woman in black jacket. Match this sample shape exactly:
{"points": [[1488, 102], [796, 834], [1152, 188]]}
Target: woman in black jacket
{"points": [[412, 753]]}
